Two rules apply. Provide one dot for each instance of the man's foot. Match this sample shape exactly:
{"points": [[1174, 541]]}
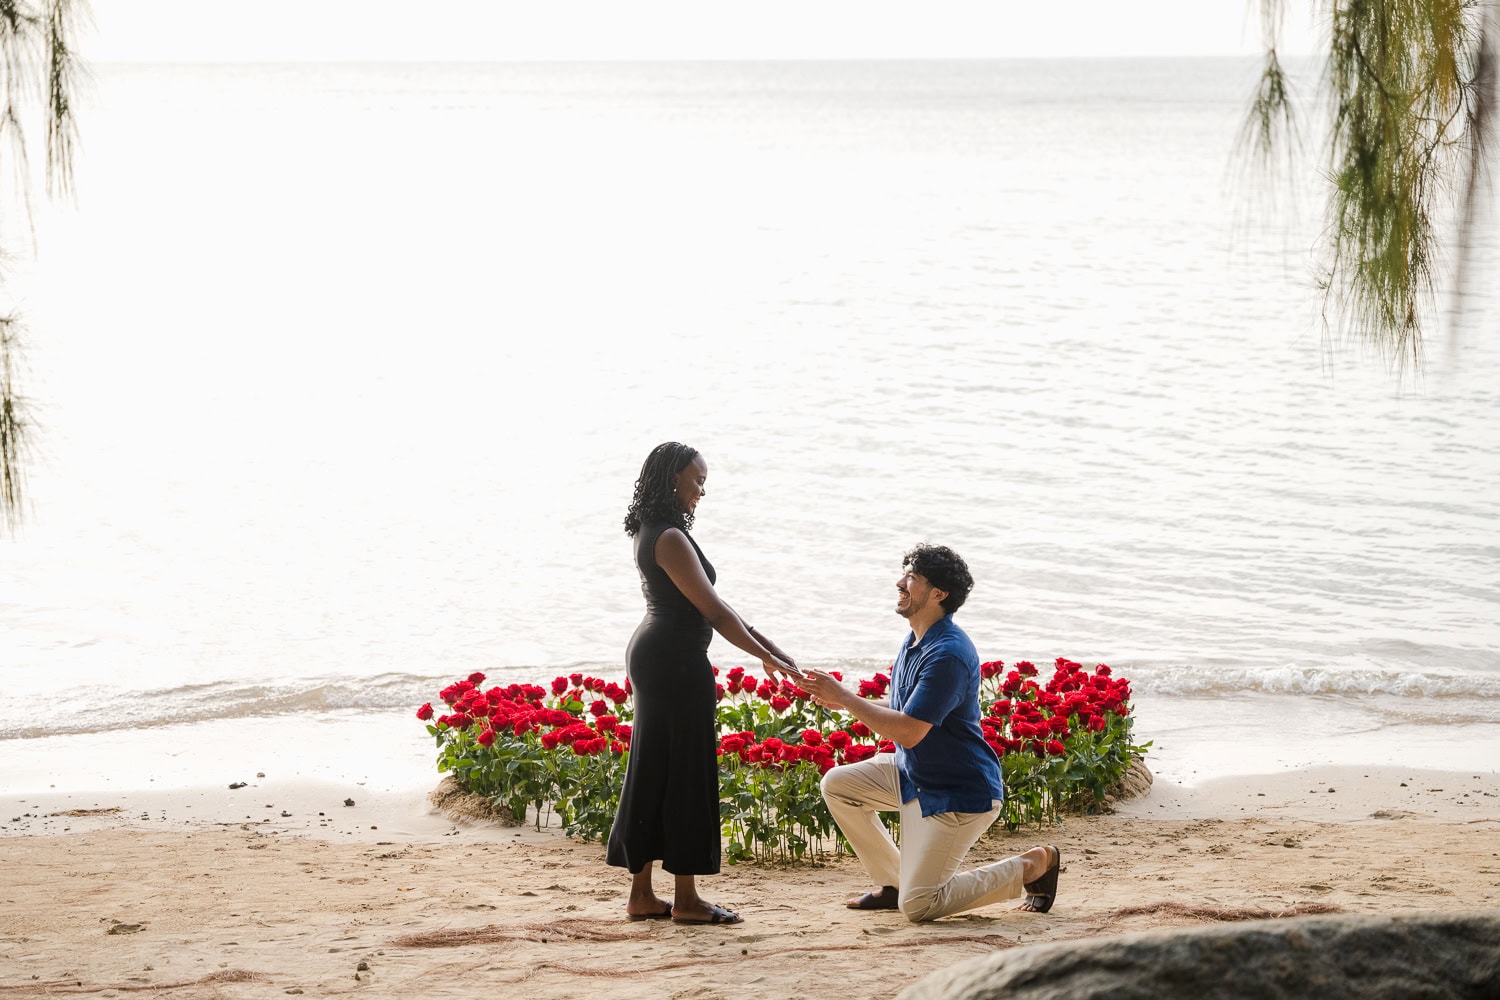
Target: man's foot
{"points": [[1041, 891], [885, 899], [706, 913]]}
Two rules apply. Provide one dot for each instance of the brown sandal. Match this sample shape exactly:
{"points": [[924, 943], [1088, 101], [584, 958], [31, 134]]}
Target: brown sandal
{"points": [[1041, 893], [716, 915], [886, 899]]}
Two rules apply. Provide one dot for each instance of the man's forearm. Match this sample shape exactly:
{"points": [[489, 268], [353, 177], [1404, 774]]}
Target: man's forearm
{"points": [[888, 722]]}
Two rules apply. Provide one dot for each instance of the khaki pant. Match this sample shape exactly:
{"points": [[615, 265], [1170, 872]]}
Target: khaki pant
{"points": [[925, 867]]}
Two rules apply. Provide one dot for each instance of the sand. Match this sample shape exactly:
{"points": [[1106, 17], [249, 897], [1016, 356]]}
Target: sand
{"points": [[277, 889]]}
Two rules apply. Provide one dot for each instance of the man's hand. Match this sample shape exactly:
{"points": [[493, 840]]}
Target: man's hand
{"points": [[825, 689], [888, 723]]}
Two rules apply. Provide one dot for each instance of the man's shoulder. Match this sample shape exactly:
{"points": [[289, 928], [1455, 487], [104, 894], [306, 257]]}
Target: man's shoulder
{"points": [[952, 636], [946, 641]]}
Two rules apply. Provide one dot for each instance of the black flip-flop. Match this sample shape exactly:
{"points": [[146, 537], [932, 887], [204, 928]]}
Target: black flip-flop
{"points": [[888, 898], [717, 915], [663, 915], [1041, 893]]}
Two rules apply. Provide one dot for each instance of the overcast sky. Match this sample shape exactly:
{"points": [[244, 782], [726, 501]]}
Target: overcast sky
{"points": [[212, 30]]}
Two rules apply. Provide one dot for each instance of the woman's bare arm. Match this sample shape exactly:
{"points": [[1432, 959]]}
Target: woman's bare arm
{"points": [[675, 554]]}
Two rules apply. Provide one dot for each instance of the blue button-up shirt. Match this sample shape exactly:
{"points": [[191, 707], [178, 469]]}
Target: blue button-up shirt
{"points": [[937, 681]]}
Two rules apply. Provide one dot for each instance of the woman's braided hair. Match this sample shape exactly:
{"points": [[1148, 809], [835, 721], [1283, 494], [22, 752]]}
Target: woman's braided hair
{"points": [[653, 499]]}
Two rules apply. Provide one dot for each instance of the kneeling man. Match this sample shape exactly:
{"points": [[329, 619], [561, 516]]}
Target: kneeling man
{"points": [[944, 778]]}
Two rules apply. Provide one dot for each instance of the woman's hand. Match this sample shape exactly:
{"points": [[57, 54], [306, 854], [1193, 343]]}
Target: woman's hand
{"points": [[780, 656], [779, 665]]}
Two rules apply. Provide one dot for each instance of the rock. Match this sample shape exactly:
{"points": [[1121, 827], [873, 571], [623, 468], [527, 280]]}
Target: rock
{"points": [[1331, 957]]}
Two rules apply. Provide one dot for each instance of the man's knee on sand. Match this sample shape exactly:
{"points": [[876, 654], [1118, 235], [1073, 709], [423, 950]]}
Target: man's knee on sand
{"points": [[917, 905]]}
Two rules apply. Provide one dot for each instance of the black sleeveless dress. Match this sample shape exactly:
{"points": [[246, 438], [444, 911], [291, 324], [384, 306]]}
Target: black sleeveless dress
{"points": [[669, 807]]}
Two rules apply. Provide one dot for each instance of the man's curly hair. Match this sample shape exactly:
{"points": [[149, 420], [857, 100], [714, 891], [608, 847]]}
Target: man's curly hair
{"points": [[653, 499], [944, 569]]}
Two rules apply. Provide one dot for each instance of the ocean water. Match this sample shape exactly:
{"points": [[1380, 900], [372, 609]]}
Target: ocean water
{"points": [[343, 374]]}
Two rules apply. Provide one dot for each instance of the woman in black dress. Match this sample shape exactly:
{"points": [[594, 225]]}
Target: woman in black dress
{"points": [[669, 807]]}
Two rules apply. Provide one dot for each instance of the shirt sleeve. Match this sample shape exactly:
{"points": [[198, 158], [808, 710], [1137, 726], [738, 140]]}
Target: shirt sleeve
{"points": [[936, 691]]}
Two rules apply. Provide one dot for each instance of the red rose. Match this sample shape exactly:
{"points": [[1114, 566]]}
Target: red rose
{"points": [[1055, 748], [425, 712], [549, 740], [812, 738], [607, 723], [859, 729], [780, 704], [1026, 668], [838, 739], [598, 708], [718, 692], [577, 679], [460, 721], [559, 685], [616, 746], [476, 678], [486, 738]]}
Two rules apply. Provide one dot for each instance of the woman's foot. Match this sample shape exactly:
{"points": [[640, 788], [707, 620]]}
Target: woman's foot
{"points": [[648, 909], [704, 913]]}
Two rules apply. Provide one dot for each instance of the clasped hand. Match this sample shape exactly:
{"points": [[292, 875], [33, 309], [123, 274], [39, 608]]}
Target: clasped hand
{"points": [[824, 688]]}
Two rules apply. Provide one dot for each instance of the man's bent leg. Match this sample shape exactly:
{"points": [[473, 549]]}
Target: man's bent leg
{"points": [[855, 793], [932, 849]]}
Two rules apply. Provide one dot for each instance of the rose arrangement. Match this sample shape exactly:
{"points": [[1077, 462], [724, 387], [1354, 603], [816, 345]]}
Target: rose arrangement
{"points": [[563, 749]]}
